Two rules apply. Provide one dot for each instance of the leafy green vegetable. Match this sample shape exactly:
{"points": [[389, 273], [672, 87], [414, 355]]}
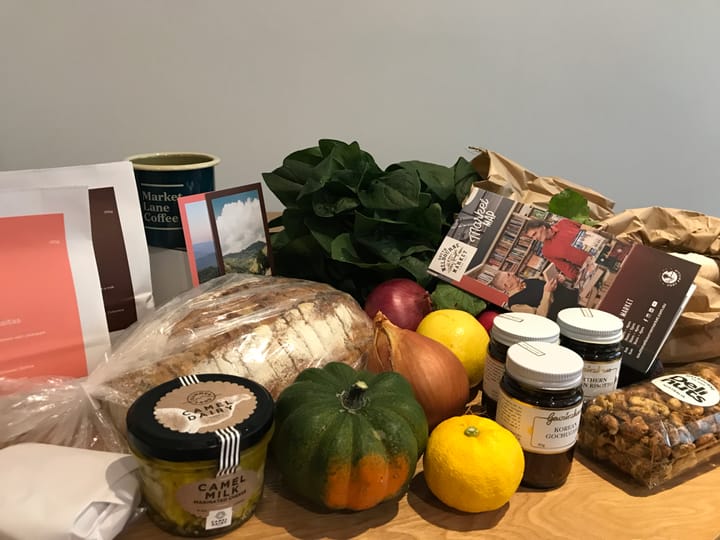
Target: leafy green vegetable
{"points": [[351, 224], [571, 204], [446, 296]]}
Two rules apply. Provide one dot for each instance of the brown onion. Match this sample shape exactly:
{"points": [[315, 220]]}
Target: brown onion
{"points": [[438, 378], [401, 300]]}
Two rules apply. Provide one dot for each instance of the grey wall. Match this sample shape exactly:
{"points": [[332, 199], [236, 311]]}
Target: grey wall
{"points": [[619, 96]]}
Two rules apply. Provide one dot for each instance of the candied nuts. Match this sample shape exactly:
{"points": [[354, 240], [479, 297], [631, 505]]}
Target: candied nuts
{"points": [[649, 434]]}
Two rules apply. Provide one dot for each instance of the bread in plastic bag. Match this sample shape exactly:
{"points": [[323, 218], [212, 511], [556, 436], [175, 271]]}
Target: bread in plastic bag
{"points": [[657, 429], [264, 328]]}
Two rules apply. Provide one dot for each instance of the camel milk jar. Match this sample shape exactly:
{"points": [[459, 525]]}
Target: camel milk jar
{"points": [[201, 442], [541, 403], [508, 329], [597, 337]]}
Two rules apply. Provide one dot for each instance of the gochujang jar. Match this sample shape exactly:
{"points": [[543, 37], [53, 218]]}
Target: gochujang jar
{"points": [[541, 403], [201, 441]]}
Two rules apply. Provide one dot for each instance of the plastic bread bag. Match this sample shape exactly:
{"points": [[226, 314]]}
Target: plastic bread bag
{"points": [[54, 410], [658, 429], [263, 328]]}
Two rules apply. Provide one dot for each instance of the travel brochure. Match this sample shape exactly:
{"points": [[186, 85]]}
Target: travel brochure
{"points": [[226, 231], [524, 258]]}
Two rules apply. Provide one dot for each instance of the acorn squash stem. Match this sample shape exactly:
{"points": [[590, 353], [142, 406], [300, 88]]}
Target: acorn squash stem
{"points": [[354, 398]]}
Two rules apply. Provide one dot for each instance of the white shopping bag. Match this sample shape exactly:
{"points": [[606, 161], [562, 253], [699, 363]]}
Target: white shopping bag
{"points": [[118, 235]]}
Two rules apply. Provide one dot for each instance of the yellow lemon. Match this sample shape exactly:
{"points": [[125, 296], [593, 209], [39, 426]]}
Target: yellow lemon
{"points": [[462, 334], [473, 464]]}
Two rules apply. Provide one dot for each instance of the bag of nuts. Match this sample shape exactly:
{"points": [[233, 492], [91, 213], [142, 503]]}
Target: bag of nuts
{"points": [[656, 429]]}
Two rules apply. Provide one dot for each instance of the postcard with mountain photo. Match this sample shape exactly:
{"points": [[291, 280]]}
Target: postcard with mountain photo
{"points": [[226, 232], [199, 239]]}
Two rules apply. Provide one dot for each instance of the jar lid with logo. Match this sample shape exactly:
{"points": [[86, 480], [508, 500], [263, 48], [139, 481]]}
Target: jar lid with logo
{"points": [[510, 328], [590, 325], [547, 366], [192, 418]]}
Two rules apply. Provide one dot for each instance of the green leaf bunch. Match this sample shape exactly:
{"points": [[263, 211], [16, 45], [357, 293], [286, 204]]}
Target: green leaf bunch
{"points": [[571, 204], [446, 296], [349, 223]]}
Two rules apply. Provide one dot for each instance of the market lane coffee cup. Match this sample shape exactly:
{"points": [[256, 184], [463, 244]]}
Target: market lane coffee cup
{"points": [[163, 177]]}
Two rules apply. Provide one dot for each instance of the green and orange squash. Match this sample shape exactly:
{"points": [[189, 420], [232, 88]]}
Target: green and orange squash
{"points": [[347, 439]]}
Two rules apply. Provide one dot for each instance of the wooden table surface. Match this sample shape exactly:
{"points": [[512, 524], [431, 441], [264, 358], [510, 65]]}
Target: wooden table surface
{"points": [[594, 503]]}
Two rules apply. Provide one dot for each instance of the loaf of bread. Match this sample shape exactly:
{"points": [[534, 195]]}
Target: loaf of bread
{"points": [[264, 328], [656, 429]]}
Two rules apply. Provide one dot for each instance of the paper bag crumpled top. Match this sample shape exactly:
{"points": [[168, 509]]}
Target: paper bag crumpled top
{"points": [[682, 232], [509, 179], [55, 492], [690, 235]]}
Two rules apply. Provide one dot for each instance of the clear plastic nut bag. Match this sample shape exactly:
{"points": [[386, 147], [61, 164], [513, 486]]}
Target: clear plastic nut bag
{"points": [[657, 429]]}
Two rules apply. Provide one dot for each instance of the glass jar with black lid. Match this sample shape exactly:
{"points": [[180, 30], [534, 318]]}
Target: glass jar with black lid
{"points": [[597, 337], [201, 444], [541, 403], [508, 329]]}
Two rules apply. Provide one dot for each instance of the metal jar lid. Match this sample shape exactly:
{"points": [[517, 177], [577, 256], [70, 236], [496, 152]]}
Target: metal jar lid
{"points": [[547, 366], [192, 418], [590, 325], [510, 328]]}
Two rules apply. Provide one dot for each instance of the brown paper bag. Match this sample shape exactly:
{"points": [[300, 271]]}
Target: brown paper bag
{"points": [[505, 177], [697, 330]]}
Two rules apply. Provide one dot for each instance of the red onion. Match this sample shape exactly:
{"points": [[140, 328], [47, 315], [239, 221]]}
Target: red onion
{"points": [[401, 300]]}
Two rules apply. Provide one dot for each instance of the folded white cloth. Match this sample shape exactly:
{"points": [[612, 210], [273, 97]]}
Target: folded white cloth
{"points": [[54, 492]]}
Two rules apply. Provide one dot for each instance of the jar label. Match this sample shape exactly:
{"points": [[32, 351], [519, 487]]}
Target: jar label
{"points": [[217, 519], [205, 407], [600, 377], [210, 497], [494, 371], [542, 431], [689, 388]]}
